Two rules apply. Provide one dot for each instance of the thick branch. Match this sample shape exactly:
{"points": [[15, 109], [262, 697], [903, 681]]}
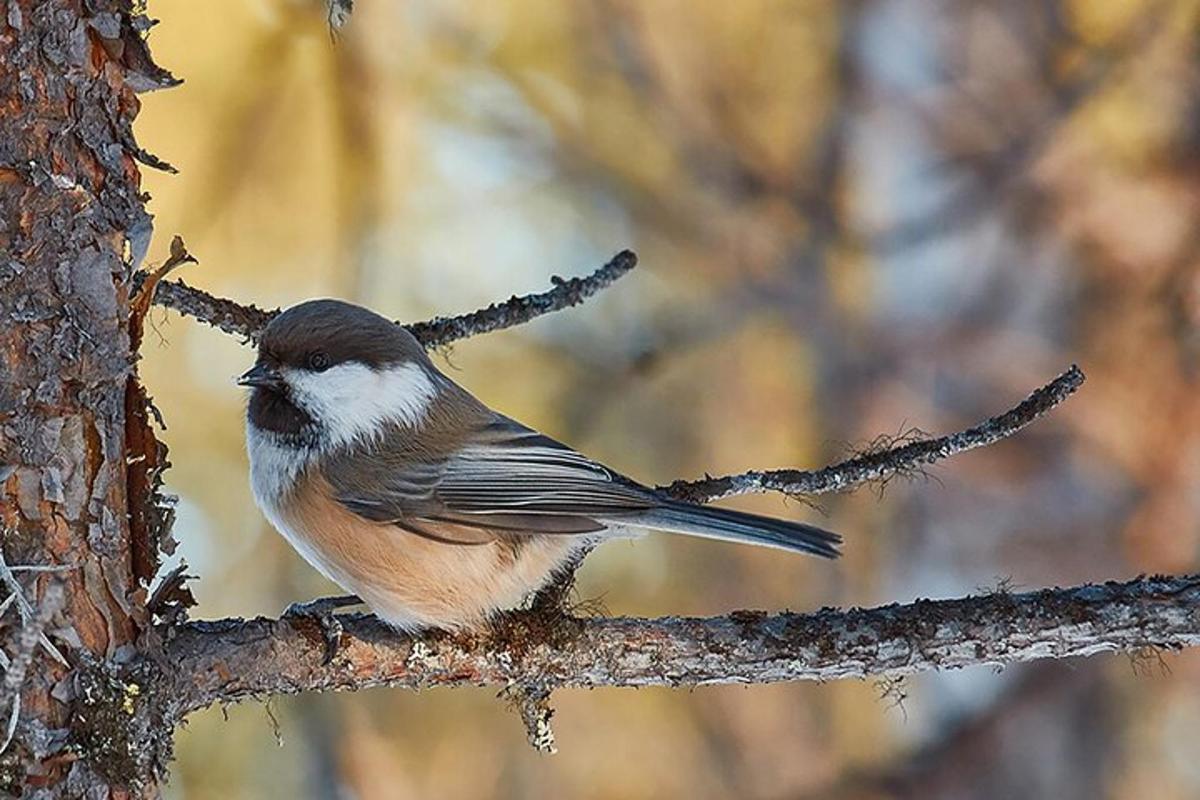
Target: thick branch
{"points": [[248, 321], [232, 659], [884, 464]]}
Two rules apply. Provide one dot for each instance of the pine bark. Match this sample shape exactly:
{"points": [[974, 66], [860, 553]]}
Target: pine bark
{"points": [[72, 227]]}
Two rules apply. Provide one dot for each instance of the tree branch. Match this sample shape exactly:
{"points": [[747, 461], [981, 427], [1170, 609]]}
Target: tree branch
{"points": [[518, 310], [233, 659], [884, 464], [248, 321], [233, 318]]}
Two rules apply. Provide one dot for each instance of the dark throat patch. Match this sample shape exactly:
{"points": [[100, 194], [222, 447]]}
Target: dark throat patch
{"points": [[273, 411]]}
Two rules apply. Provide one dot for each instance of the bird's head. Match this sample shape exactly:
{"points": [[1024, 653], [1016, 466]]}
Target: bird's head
{"points": [[330, 372]]}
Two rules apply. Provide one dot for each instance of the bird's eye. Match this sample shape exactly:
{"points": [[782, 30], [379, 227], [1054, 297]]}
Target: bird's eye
{"points": [[318, 362]]}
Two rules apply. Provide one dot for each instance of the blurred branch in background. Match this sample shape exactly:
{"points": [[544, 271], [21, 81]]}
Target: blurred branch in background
{"points": [[1054, 705], [997, 174]]}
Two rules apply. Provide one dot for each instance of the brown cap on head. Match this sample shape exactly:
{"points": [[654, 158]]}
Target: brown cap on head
{"points": [[338, 331]]}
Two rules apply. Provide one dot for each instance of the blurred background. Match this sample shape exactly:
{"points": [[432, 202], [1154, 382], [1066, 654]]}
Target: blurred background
{"points": [[854, 218]]}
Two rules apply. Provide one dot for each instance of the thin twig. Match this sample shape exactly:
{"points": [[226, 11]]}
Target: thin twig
{"points": [[880, 466], [10, 727], [30, 635], [5, 661], [233, 318], [518, 310], [248, 321], [233, 659], [26, 610], [18, 568], [139, 303]]}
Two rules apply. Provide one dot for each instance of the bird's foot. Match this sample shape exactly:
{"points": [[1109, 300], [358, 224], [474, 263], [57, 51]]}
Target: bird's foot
{"points": [[320, 611]]}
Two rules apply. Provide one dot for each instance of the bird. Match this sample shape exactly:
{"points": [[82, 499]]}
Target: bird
{"points": [[432, 509]]}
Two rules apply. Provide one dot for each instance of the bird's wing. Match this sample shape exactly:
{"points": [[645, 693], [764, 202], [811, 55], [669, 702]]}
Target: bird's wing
{"points": [[504, 479]]}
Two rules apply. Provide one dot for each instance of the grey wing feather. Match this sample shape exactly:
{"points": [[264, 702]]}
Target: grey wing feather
{"points": [[512, 469], [510, 480], [506, 478], [374, 487]]}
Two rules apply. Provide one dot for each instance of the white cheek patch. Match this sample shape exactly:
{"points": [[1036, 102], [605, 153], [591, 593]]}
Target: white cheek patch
{"points": [[353, 401]]}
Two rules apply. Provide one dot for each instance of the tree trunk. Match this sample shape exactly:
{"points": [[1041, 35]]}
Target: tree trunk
{"points": [[72, 227]]}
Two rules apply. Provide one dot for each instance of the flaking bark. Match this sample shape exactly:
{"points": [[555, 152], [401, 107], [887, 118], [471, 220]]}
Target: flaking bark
{"points": [[71, 223]]}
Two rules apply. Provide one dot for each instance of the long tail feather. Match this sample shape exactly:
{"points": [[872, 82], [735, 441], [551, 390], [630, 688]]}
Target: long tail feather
{"points": [[737, 526]]}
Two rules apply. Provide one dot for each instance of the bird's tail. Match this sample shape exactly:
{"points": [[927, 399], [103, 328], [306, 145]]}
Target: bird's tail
{"points": [[737, 526]]}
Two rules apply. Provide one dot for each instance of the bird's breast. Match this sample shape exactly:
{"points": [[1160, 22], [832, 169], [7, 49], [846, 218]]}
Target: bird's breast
{"points": [[410, 581], [275, 466]]}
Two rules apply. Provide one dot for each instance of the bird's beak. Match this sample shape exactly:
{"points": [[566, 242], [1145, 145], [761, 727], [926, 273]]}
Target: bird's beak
{"points": [[262, 375]]}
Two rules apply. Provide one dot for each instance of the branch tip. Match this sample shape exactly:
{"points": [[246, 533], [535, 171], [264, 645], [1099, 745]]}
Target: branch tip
{"points": [[880, 466], [518, 310]]}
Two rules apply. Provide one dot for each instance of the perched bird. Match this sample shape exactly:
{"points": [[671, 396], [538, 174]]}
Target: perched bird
{"points": [[401, 487]]}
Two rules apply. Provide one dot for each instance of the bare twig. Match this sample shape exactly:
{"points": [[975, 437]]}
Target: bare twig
{"points": [[139, 304], [225, 315], [233, 659], [248, 321], [882, 465], [26, 610], [518, 310], [18, 568], [30, 635]]}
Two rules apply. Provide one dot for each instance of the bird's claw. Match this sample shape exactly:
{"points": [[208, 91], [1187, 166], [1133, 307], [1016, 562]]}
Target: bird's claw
{"points": [[320, 611]]}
